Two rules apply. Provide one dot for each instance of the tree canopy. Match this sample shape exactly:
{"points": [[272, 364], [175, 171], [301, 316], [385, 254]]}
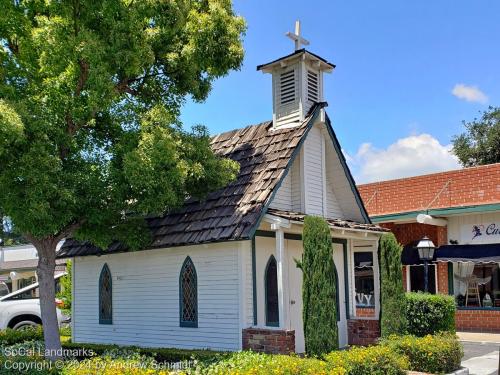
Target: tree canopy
{"points": [[90, 137], [90, 96], [480, 144]]}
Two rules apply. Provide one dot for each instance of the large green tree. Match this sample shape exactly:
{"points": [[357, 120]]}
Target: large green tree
{"points": [[480, 144], [392, 294], [318, 288], [90, 141]]}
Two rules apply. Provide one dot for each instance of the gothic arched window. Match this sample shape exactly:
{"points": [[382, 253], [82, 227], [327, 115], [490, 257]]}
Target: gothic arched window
{"points": [[105, 296], [271, 289], [188, 295]]}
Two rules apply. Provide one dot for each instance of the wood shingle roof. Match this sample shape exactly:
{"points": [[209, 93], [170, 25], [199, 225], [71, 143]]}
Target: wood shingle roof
{"points": [[233, 212]]}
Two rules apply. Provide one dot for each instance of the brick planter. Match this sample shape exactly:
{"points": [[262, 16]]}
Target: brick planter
{"points": [[274, 341], [363, 331], [478, 320]]}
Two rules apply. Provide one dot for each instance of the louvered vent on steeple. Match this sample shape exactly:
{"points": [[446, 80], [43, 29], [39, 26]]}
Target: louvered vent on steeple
{"points": [[312, 87], [297, 82], [287, 87]]}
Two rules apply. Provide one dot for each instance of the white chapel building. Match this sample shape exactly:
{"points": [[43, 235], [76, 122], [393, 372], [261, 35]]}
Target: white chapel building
{"points": [[220, 273]]}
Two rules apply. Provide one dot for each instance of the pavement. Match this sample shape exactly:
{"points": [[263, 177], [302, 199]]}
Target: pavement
{"points": [[481, 352]]}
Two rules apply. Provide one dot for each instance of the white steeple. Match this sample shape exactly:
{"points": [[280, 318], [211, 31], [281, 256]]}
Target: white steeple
{"points": [[297, 82]]}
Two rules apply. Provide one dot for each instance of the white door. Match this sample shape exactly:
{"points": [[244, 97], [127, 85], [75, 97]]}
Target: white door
{"points": [[294, 249], [338, 259]]}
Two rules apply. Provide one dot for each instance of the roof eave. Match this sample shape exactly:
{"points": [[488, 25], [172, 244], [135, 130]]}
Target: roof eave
{"points": [[323, 64]]}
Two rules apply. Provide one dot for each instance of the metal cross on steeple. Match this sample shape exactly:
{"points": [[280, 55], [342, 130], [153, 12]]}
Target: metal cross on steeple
{"points": [[297, 38]]}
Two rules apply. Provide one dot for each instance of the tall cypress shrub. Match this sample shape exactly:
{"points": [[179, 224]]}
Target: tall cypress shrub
{"points": [[318, 288], [392, 294]]}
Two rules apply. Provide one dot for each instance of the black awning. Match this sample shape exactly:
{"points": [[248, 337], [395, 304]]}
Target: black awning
{"points": [[483, 253], [410, 256]]}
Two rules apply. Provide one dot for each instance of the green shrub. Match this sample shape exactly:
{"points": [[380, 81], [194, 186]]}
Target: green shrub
{"points": [[318, 288], [430, 313], [372, 360], [249, 363], [437, 354], [27, 366], [159, 354], [65, 293], [10, 337], [392, 294], [65, 331]]}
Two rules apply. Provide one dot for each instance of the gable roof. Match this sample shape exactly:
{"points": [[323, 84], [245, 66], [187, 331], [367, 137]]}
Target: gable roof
{"points": [[233, 212]]}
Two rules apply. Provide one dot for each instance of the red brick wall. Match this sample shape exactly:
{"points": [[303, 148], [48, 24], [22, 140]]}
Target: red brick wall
{"points": [[410, 232], [470, 186], [269, 340], [363, 331], [442, 281], [478, 320]]}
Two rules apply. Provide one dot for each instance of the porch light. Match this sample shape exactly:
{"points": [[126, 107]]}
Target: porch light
{"points": [[426, 249]]}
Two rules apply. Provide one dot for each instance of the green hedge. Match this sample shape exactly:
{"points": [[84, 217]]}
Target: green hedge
{"points": [[159, 354], [437, 354], [429, 313], [11, 337]]}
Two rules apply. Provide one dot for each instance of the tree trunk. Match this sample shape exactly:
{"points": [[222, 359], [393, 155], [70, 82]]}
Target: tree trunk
{"points": [[46, 266]]}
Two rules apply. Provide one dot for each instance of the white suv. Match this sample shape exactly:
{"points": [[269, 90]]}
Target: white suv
{"points": [[21, 308]]}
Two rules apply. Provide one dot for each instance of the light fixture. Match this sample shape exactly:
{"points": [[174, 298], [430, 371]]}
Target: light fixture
{"points": [[426, 249]]}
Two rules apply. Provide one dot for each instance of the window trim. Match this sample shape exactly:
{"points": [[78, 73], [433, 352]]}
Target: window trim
{"points": [[268, 323], [184, 323], [435, 271], [102, 320]]}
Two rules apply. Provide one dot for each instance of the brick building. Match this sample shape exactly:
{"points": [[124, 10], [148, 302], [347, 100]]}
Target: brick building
{"points": [[460, 212]]}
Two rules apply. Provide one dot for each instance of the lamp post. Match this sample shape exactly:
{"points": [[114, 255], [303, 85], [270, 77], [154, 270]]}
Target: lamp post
{"points": [[426, 249]]}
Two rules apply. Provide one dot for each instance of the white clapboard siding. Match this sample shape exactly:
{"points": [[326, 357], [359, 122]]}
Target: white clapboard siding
{"points": [[313, 172], [333, 208], [296, 184], [340, 186], [145, 287], [283, 198]]}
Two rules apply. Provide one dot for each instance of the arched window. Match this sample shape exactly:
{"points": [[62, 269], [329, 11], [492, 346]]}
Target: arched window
{"points": [[105, 297], [188, 295], [271, 290]]}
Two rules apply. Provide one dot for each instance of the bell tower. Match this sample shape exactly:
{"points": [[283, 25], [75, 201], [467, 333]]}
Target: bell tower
{"points": [[297, 82]]}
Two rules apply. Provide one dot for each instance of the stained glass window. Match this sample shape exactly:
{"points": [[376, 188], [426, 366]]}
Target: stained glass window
{"points": [[188, 295], [105, 297], [271, 285]]}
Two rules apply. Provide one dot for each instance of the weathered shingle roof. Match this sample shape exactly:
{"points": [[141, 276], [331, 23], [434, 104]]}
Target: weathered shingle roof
{"points": [[337, 223], [233, 212]]}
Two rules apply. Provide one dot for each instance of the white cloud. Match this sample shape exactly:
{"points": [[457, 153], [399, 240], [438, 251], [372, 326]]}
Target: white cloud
{"points": [[469, 93], [411, 156]]}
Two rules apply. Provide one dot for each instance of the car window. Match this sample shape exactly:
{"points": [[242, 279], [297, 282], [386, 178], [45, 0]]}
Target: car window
{"points": [[4, 289]]}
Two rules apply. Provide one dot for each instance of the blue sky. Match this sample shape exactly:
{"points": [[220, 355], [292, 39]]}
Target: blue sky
{"points": [[391, 97]]}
